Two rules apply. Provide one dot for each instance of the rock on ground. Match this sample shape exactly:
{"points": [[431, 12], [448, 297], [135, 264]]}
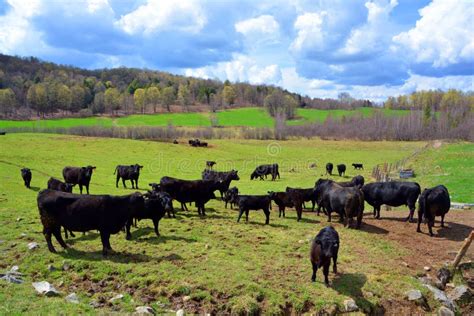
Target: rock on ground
{"points": [[350, 305], [144, 310], [444, 311], [45, 288], [441, 297], [180, 312], [116, 298], [461, 295], [32, 245], [72, 298]]}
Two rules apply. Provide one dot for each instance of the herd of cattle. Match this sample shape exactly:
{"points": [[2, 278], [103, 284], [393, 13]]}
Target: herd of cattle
{"points": [[108, 214]]}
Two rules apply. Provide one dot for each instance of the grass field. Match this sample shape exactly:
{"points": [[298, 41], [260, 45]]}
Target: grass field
{"points": [[251, 117], [223, 266]]}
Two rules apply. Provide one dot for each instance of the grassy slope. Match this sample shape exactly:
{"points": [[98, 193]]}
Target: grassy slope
{"points": [[252, 117], [214, 259]]}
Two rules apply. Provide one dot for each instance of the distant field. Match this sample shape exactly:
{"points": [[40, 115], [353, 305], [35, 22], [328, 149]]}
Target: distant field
{"points": [[251, 117], [213, 264]]}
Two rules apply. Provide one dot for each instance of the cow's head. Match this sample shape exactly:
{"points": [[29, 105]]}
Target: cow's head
{"points": [[136, 168], [254, 175], [166, 201], [329, 247], [272, 194], [25, 170], [233, 175], [87, 171], [155, 186]]}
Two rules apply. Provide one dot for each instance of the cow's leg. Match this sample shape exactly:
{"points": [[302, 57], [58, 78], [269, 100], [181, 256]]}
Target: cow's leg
{"points": [[299, 212], [80, 188], [329, 215], [326, 271], [225, 205], [442, 220], [319, 209], [315, 269], [128, 224], [267, 216], [283, 211], [105, 238], [47, 235], [430, 226], [412, 212], [203, 210], [247, 215], [87, 188], [136, 183], [59, 238], [359, 219], [334, 264], [375, 212], [222, 194], [156, 222], [420, 217], [241, 211], [123, 183], [378, 211], [117, 180], [313, 204], [279, 211]]}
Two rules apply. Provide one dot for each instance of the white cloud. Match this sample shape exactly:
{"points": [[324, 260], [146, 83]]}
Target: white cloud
{"points": [[97, 5], [444, 34], [157, 15], [240, 69], [262, 25], [310, 32]]}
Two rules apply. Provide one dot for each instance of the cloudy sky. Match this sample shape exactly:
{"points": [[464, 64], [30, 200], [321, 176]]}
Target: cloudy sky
{"points": [[370, 49]]}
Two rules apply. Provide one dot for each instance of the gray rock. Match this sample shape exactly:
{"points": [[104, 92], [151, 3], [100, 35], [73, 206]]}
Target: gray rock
{"points": [[144, 310], [426, 280], [426, 268], [441, 297], [414, 295], [444, 276], [72, 298], [66, 266], [350, 305], [186, 298], [444, 311], [180, 312], [461, 295], [32, 245], [15, 269], [94, 304], [11, 277], [116, 298], [45, 288]]}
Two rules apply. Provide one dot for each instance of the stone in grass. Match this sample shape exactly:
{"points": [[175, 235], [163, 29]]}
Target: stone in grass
{"points": [[417, 297], [32, 245], [461, 295], [186, 298], [72, 298], [180, 312], [441, 297], [144, 310], [45, 288], [350, 305], [444, 311], [116, 298]]}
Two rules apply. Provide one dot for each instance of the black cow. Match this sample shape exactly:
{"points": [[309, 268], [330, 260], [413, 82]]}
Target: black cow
{"points": [[264, 170], [223, 178], [58, 185], [348, 202], [357, 181], [254, 202], [298, 196], [393, 193], [78, 175], [197, 143], [341, 169], [210, 164], [282, 199], [105, 213], [157, 204], [26, 175], [185, 191], [329, 167], [131, 173], [230, 195], [324, 247], [433, 202], [155, 187], [358, 166]]}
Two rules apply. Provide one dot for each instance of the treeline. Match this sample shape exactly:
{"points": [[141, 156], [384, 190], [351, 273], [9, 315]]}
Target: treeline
{"points": [[30, 87]]}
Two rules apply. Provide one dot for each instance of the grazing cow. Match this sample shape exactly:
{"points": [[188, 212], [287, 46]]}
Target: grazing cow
{"points": [[324, 247], [105, 213], [358, 166], [210, 164], [155, 187], [433, 202], [329, 167], [185, 191], [348, 202], [197, 143], [131, 173], [341, 169], [264, 170], [393, 193], [223, 177], [156, 205], [78, 175], [298, 196], [357, 181], [282, 199], [26, 175], [230, 195], [254, 202], [58, 185]]}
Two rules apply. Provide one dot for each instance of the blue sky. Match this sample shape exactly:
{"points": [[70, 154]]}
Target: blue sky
{"points": [[370, 48]]}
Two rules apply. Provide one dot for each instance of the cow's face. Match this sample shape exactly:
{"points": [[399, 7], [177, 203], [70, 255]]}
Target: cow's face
{"points": [[136, 168], [253, 175], [329, 248], [87, 171], [155, 186], [166, 201], [25, 171], [234, 175]]}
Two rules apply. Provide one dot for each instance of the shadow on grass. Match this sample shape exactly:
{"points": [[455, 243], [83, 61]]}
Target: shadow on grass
{"points": [[153, 239], [90, 235], [36, 189], [304, 219], [351, 284], [119, 257], [366, 227], [243, 222]]}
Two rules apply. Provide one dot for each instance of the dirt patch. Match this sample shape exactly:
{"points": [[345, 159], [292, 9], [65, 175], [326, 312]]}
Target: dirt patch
{"points": [[437, 144], [422, 249]]}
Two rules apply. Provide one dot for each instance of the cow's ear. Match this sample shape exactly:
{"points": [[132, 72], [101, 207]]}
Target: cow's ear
{"points": [[93, 167], [140, 166], [83, 168]]}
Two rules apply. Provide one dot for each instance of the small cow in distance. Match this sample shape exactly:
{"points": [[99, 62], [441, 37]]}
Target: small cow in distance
{"points": [[230, 195], [282, 199], [131, 173], [58, 185], [197, 143], [358, 166], [264, 170], [26, 175], [254, 202], [78, 175], [224, 178], [433, 202], [175, 142], [210, 164], [329, 167], [341, 169], [324, 247]]}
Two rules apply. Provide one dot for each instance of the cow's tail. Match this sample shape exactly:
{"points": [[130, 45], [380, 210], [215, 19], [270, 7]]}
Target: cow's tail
{"points": [[422, 204], [116, 168]]}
